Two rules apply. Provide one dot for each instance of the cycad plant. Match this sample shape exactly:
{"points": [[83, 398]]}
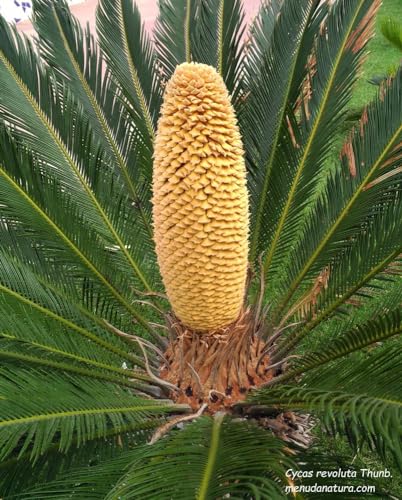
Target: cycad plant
{"points": [[192, 277]]}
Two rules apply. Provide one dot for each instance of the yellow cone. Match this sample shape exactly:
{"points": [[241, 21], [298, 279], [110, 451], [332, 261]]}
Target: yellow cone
{"points": [[200, 202]]}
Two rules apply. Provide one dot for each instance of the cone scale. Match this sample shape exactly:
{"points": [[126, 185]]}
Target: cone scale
{"points": [[200, 201]]}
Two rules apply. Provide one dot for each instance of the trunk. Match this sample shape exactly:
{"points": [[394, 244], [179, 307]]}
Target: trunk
{"points": [[216, 368]]}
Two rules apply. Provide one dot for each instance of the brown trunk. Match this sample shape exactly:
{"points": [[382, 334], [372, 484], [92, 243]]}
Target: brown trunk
{"points": [[216, 368]]}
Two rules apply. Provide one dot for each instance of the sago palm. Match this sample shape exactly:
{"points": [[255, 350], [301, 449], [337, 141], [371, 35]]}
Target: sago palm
{"points": [[194, 273]]}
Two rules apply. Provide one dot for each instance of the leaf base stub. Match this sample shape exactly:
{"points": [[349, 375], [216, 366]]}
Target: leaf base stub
{"points": [[217, 368]]}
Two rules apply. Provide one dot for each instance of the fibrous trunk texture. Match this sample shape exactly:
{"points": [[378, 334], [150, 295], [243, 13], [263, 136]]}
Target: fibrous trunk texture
{"points": [[217, 369], [200, 202]]}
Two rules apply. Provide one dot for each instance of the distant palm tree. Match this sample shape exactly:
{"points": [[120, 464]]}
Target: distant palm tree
{"points": [[271, 314]]}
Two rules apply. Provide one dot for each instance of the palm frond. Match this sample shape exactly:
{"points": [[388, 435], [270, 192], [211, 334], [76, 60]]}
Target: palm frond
{"points": [[204, 31], [130, 56], [28, 307], [344, 343], [216, 39], [73, 55], [382, 295], [357, 192], [331, 72], [20, 475], [33, 332], [39, 268], [360, 398], [224, 462], [44, 324], [41, 297], [41, 204], [32, 111], [208, 459], [230, 30], [355, 274], [58, 277], [172, 34], [64, 408], [281, 40], [17, 352]]}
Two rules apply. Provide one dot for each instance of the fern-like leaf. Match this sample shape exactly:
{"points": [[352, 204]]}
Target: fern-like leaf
{"points": [[208, 459], [64, 408], [348, 402], [356, 192]]}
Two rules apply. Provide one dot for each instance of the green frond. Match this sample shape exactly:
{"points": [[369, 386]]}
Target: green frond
{"points": [[73, 55], [14, 355], [41, 204], [281, 40], [229, 45], [20, 475], [204, 31], [308, 130], [66, 151], [360, 397], [344, 343], [355, 274], [27, 307], [209, 458], [131, 59], [65, 408], [172, 34], [216, 39], [17, 349], [374, 301], [382, 295], [370, 258], [38, 300], [357, 192], [61, 287]]}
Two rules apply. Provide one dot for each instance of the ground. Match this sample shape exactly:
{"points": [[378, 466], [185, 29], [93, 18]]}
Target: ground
{"points": [[382, 55]]}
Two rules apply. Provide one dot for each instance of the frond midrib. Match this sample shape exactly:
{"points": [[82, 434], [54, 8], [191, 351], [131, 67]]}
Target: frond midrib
{"points": [[134, 75], [212, 457], [74, 248], [219, 57], [106, 130], [187, 40], [293, 286], [311, 138], [66, 155], [83, 412]]}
